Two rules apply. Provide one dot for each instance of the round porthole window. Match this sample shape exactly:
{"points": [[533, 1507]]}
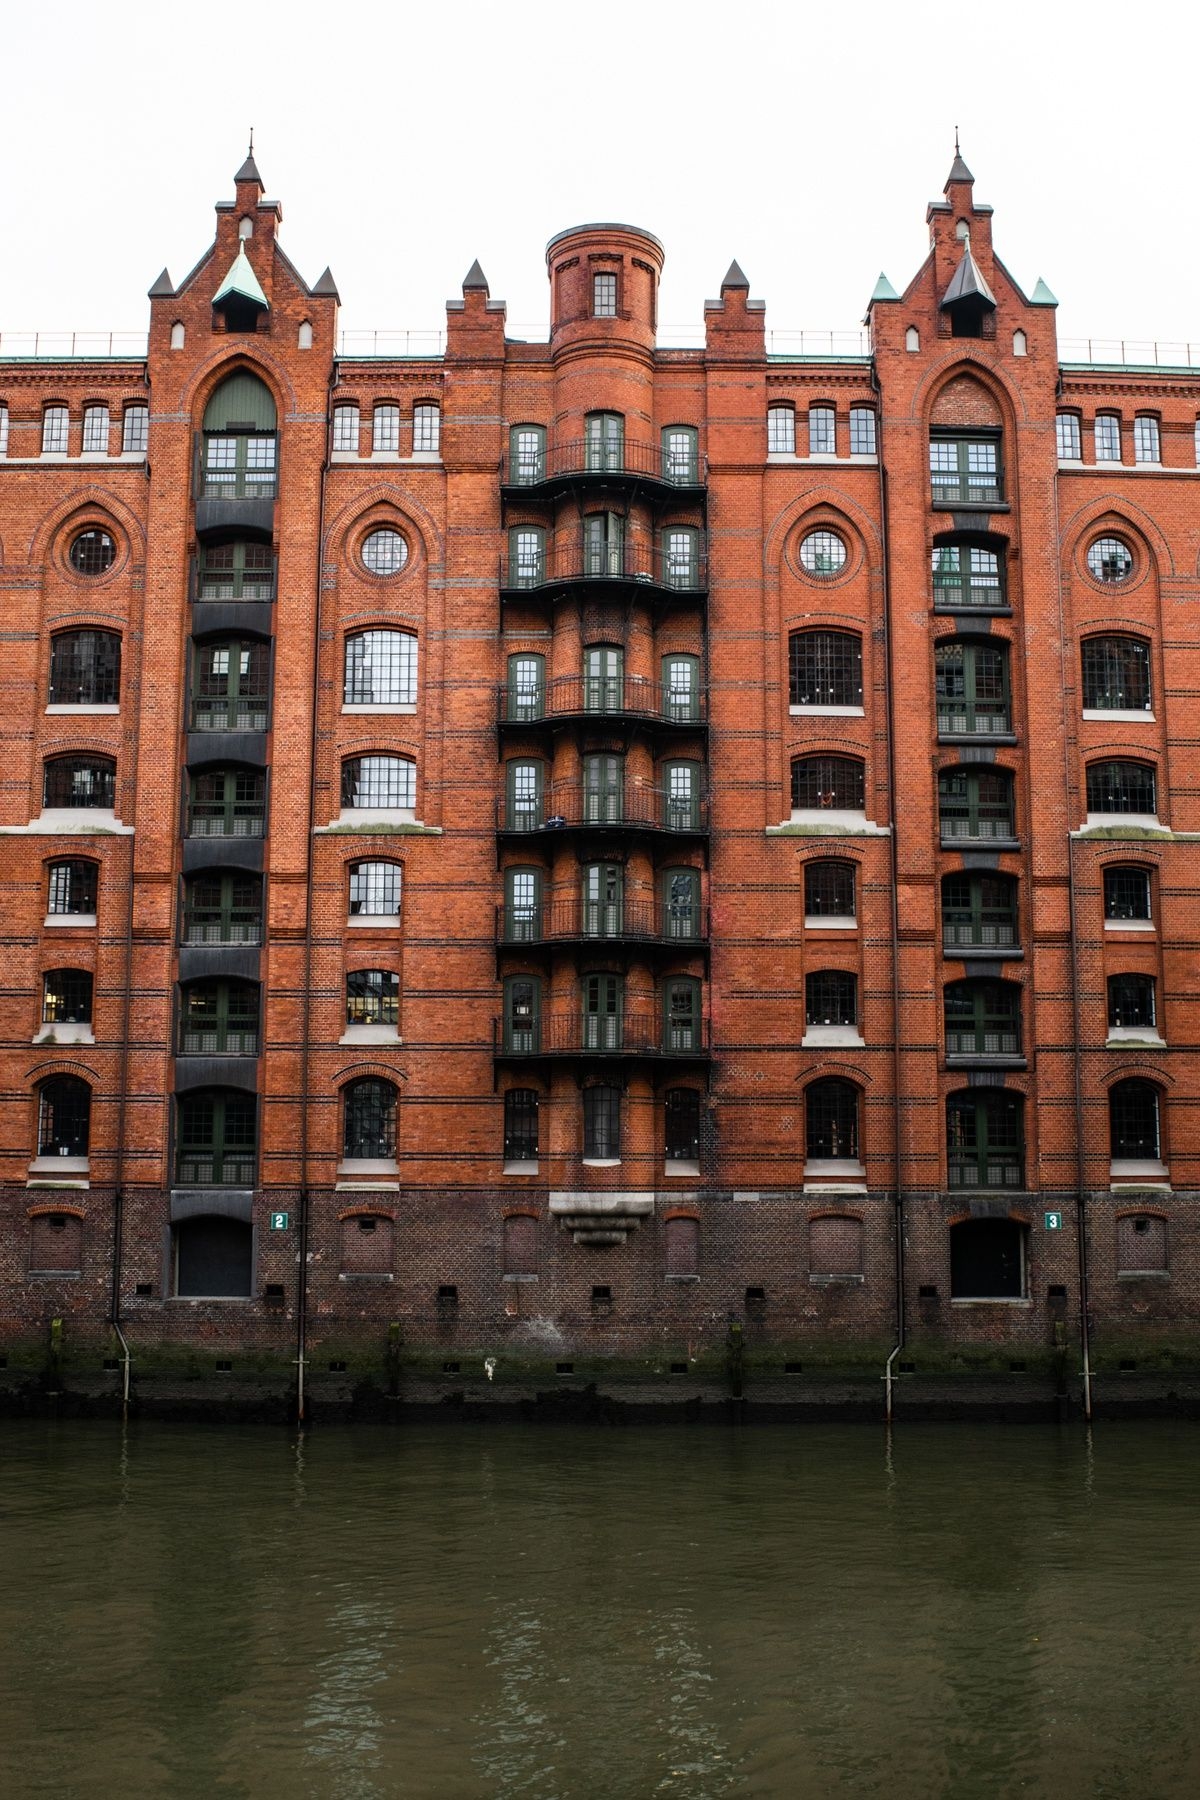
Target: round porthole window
{"points": [[92, 553], [1109, 559], [822, 553], [384, 552]]}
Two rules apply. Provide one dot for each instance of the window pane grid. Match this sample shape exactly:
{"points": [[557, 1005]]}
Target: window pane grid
{"points": [[831, 1120], [64, 1114], [862, 431], [829, 890], [975, 804], [219, 1018], [227, 803], [527, 455], [972, 689], [781, 431], [66, 997], [232, 681], [984, 1141], [1131, 1001], [370, 1120], [830, 998], [602, 1122], [135, 437], [1108, 559], [95, 429], [1133, 1120], [825, 668], [72, 887], [375, 889], [822, 553], [1146, 438], [345, 428], [223, 909], [381, 669], [1067, 433], [604, 296], [217, 1136], [379, 781], [238, 571], [385, 432], [982, 1019], [55, 431], [822, 438], [979, 912], [85, 668], [1108, 438], [965, 575], [682, 1120], [1116, 674], [73, 781], [1126, 894], [965, 470], [427, 426], [836, 782], [1121, 787], [521, 1125]]}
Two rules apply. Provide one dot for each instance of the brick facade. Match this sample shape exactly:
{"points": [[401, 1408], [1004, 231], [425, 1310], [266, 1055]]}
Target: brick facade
{"points": [[650, 858]]}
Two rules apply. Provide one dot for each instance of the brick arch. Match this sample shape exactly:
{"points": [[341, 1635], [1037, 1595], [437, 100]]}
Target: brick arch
{"points": [[1008, 398], [1016, 1215], [83, 504], [964, 401], [367, 1071], [393, 503], [1136, 1071], [828, 504], [208, 375], [367, 1212], [1124, 515], [840, 1071], [44, 1208], [61, 1065]]}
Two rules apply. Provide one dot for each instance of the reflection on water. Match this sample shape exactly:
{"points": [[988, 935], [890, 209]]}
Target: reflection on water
{"points": [[577, 1614]]}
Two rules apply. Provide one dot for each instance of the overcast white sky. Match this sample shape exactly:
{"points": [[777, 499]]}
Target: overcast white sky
{"points": [[405, 140]]}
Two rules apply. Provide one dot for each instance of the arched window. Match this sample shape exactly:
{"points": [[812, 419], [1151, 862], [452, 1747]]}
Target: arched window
{"points": [[526, 695], [967, 575], [835, 1248], [381, 669], [972, 688], [135, 433], [604, 678], [368, 1244], [67, 997], [522, 1015], [345, 429], [982, 1018], [526, 556], [680, 557], [828, 891], [240, 440], [521, 1125], [95, 430], [222, 909], [64, 1116], [381, 783], [602, 900], [604, 441], [385, 429], [427, 428], [527, 455], [1108, 437], [231, 685], [227, 803], [682, 1023], [979, 912], [822, 431], [56, 426], [240, 570], [85, 668], [524, 790], [831, 1121], [3, 429], [1131, 1008], [1069, 437], [975, 803], [985, 1145], [825, 669], [680, 455], [373, 998], [213, 1257], [1122, 787], [370, 1120], [601, 1124], [1116, 674], [681, 1120], [1146, 446], [375, 890], [781, 431], [218, 1017], [1133, 1121], [988, 1259], [80, 781], [862, 431], [681, 917], [830, 998], [523, 906], [72, 888], [965, 468], [681, 1248], [1127, 894], [520, 1249], [681, 701], [828, 783]]}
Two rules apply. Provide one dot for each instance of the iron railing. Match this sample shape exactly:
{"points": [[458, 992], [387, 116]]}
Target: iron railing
{"points": [[608, 456], [603, 1034], [682, 568], [569, 696], [571, 806], [642, 921]]}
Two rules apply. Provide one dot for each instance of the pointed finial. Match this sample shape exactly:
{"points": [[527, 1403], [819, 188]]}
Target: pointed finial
{"points": [[251, 152], [956, 149]]}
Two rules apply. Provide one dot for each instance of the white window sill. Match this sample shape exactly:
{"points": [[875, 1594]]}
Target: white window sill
{"points": [[990, 1300], [831, 820], [1124, 716], [601, 1162], [93, 456], [834, 1174], [1139, 1170], [829, 922], [1123, 821], [371, 1186], [782, 456], [72, 821], [380, 706], [370, 1034], [520, 1168], [674, 1170], [57, 921], [845, 1036], [827, 712], [1120, 1035], [385, 456], [373, 922], [1129, 925], [74, 1033], [83, 706], [344, 456], [132, 456], [69, 1168], [427, 456], [365, 1166]]}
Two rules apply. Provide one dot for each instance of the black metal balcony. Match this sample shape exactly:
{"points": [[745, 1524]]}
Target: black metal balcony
{"points": [[668, 925], [574, 808], [649, 469], [639, 1035], [661, 572], [602, 699]]}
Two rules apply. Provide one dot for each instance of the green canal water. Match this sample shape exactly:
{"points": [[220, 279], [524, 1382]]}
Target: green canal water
{"points": [[557, 1611]]}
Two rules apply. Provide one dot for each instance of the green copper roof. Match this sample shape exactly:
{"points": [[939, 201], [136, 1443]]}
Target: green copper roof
{"points": [[883, 290], [242, 280], [1042, 296]]}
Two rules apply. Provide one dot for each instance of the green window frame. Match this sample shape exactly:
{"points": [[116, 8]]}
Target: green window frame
{"points": [[972, 688], [965, 468], [604, 441], [679, 557], [985, 1145], [681, 795], [603, 789], [979, 912], [603, 545], [525, 795], [681, 455], [523, 1015], [239, 465], [681, 905], [968, 575], [681, 689], [526, 686], [603, 1012], [229, 802], [240, 570], [217, 1138], [982, 1018], [976, 803], [219, 1018], [682, 1000], [222, 909], [526, 556], [523, 921], [231, 685], [526, 455], [602, 900], [604, 678]]}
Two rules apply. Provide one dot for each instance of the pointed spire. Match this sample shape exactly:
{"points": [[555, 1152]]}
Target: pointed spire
{"points": [[475, 278], [883, 290], [734, 278], [249, 169], [326, 286], [163, 289], [968, 284], [242, 282], [1042, 296], [958, 169]]}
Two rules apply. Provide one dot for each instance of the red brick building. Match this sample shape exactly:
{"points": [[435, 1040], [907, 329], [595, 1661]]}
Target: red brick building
{"points": [[626, 861]]}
